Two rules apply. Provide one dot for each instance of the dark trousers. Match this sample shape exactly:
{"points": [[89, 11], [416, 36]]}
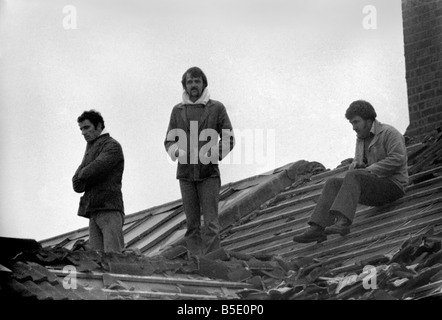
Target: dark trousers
{"points": [[342, 195], [200, 198], [106, 231]]}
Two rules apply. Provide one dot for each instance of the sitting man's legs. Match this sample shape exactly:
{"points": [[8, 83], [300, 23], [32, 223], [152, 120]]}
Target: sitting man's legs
{"points": [[339, 199]]}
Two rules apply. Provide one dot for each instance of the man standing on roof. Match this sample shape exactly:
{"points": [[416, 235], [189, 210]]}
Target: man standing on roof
{"points": [[377, 176], [195, 126], [99, 176]]}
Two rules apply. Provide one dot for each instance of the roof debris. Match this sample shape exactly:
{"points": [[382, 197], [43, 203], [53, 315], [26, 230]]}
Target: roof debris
{"points": [[393, 251]]}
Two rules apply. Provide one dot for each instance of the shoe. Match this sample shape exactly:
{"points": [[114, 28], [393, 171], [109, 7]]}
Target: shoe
{"points": [[314, 233], [341, 226]]}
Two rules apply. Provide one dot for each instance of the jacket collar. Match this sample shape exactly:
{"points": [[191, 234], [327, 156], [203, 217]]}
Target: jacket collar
{"points": [[104, 132], [102, 136], [204, 100], [376, 128]]}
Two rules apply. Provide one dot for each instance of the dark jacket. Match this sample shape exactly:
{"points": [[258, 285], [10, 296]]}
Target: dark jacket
{"points": [[99, 176], [192, 140]]}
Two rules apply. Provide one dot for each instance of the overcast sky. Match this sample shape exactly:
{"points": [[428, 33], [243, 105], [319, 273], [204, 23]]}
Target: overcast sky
{"points": [[285, 70]]}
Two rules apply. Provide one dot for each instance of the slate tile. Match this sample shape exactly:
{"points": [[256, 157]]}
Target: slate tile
{"points": [[423, 278], [164, 265], [127, 257], [119, 285], [45, 273], [353, 268], [354, 291], [108, 279], [431, 260], [174, 252], [62, 243], [190, 267], [219, 254], [132, 268], [250, 294], [88, 266], [380, 294], [212, 269], [276, 273], [21, 275], [43, 291], [256, 282], [437, 276], [263, 256], [315, 273], [32, 272], [51, 292], [280, 293], [80, 244], [314, 288], [20, 290], [270, 282], [50, 256], [282, 263], [375, 260], [240, 256], [301, 262], [255, 264], [239, 275]]}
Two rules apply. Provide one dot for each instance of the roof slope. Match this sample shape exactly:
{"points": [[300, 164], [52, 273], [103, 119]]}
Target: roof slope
{"points": [[393, 252], [154, 229]]}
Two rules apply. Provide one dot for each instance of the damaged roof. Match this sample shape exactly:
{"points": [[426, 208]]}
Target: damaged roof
{"points": [[392, 252]]}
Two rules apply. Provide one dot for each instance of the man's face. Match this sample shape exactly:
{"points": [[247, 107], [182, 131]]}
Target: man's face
{"points": [[194, 87], [361, 127], [88, 130]]}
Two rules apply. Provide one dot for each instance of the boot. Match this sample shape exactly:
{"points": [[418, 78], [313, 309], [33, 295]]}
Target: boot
{"points": [[341, 226], [314, 233]]}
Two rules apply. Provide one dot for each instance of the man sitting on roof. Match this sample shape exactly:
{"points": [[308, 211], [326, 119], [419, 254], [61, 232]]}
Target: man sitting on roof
{"points": [[377, 176]]}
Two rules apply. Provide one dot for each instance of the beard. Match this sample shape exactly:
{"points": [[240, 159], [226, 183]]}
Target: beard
{"points": [[194, 93]]}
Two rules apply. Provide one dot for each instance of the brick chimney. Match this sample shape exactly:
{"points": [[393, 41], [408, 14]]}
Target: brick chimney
{"points": [[422, 23]]}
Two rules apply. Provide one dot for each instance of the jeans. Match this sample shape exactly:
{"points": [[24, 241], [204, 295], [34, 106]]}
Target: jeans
{"points": [[201, 198], [342, 195], [106, 231]]}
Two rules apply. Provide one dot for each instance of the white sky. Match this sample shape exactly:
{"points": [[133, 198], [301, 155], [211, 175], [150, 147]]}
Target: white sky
{"points": [[285, 70]]}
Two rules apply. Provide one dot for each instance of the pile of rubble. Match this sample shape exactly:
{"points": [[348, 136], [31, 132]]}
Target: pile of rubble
{"points": [[413, 272]]}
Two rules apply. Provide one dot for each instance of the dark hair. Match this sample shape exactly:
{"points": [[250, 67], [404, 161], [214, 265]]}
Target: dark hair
{"points": [[360, 108], [194, 72], [93, 116]]}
